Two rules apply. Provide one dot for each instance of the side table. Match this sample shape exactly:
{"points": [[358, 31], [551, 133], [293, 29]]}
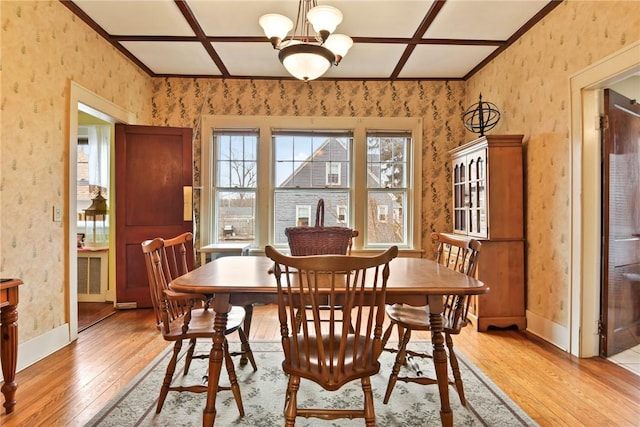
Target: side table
{"points": [[9, 339], [220, 249]]}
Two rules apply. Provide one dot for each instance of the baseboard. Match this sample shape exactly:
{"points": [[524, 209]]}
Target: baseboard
{"points": [[126, 305], [552, 332], [41, 346]]}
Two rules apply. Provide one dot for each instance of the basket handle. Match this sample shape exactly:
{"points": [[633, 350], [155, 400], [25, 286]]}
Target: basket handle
{"points": [[320, 213]]}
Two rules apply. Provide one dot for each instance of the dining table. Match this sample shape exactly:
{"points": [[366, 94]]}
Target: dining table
{"points": [[246, 280]]}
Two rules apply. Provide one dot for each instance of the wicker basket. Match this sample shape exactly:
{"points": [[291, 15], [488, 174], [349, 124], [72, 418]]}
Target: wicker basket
{"points": [[318, 240]]}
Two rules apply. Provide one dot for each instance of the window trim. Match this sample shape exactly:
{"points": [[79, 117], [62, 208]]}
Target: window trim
{"points": [[264, 194]]}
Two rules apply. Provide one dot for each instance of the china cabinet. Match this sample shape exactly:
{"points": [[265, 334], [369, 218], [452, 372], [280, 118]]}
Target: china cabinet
{"points": [[487, 176]]}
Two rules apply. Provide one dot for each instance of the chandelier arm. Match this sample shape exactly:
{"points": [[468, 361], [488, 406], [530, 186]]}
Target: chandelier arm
{"points": [[300, 15]]}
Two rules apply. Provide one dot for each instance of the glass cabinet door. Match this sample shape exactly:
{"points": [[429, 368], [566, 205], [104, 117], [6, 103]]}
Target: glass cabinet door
{"points": [[478, 194], [470, 194], [459, 197]]}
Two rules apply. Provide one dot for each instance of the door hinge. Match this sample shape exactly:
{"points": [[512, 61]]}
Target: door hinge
{"points": [[604, 122], [601, 327]]}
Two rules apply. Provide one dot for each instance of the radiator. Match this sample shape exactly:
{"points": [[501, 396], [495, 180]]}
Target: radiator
{"points": [[93, 276]]}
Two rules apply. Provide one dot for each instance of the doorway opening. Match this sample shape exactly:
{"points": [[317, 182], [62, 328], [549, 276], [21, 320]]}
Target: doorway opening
{"points": [[587, 104], [87, 109], [93, 185]]}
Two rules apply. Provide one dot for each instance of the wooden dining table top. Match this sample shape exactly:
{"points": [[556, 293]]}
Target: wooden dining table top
{"points": [[250, 274]]}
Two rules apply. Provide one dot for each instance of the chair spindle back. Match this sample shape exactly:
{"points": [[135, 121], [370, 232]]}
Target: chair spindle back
{"points": [[331, 353], [461, 254]]}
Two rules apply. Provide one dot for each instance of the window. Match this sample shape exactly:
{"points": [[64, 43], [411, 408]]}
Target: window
{"points": [[383, 211], [342, 214], [263, 174], [387, 184], [397, 214], [235, 185], [92, 174], [333, 173], [302, 163], [303, 213]]}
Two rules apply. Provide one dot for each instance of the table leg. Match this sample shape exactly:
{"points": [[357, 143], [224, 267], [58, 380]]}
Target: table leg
{"points": [[440, 358], [9, 353], [221, 307]]}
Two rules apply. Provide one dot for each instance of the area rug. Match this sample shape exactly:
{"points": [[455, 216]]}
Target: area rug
{"points": [[263, 397]]}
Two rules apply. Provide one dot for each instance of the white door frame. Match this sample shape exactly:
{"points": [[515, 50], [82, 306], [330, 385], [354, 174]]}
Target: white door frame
{"points": [[81, 99], [586, 106]]}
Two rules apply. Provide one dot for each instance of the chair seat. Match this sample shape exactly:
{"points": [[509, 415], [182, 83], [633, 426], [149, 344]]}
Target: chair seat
{"points": [[417, 318], [366, 364], [201, 324]]}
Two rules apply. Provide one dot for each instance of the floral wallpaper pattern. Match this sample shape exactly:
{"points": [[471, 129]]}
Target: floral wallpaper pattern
{"points": [[44, 47], [530, 84]]}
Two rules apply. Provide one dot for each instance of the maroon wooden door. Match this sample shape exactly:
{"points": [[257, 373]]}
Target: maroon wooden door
{"points": [[621, 225], [154, 174]]}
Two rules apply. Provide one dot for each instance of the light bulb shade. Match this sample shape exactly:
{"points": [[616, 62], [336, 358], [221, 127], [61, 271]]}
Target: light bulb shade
{"points": [[98, 206], [306, 61], [324, 18], [275, 25], [339, 44]]}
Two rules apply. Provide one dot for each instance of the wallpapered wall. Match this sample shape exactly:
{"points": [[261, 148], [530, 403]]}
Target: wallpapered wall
{"points": [[530, 84], [179, 102], [44, 47]]}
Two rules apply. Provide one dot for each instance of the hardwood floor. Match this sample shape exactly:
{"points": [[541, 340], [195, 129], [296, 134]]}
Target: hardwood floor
{"points": [[90, 313], [70, 386]]}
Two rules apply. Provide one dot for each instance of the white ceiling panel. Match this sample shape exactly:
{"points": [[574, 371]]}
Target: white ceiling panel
{"points": [[440, 61], [393, 39], [182, 58], [238, 17], [368, 18], [482, 20], [250, 59], [151, 17], [368, 61]]}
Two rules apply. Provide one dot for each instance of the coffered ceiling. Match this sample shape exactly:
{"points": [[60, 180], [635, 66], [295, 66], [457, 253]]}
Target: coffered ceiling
{"points": [[393, 39]]}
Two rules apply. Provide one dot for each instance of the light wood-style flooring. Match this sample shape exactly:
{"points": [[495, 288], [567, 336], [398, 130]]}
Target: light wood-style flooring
{"points": [[90, 313], [70, 386]]}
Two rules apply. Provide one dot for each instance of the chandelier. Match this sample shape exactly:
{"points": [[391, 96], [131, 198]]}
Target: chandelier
{"points": [[307, 54]]}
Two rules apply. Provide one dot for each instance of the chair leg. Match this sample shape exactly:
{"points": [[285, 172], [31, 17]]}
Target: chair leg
{"points": [[453, 361], [387, 334], [233, 379], [298, 318], [400, 357], [189, 355], [291, 408], [246, 349], [369, 411], [168, 375], [248, 316]]}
